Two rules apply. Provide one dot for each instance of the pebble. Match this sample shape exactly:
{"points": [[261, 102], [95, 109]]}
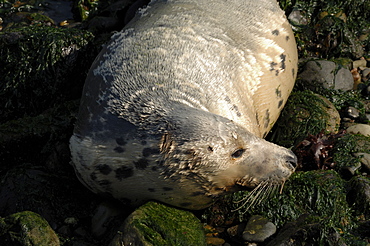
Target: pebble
{"points": [[365, 159], [359, 63], [325, 73], [365, 75], [71, 221], [103, 214], [214, 241], [363, 129], [258, 229], [352, 112], [233, 231]]}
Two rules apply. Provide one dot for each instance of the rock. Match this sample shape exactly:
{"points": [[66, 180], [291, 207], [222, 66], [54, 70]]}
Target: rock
{"points": [[25, 229], [41, 66], [352, 112], [215, 241], [319, 71], [365, 75], [305, 113], [359, 194], [298, 232], [326, 73], [343, 80], [305, 231], [365, 159], [359, 63], [258, 229], [157, 224], [233, 231], [103, 214], [363, 129]]}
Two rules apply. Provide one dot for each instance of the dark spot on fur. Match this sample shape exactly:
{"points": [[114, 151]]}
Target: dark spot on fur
{"points": [[278, 92], [143, 142], [280, 103], [267, 119], [150, 151], [121, 141], [93, 176], [185, 204], [104, 169], [197, 193], [227, 99], [119, 149], [124, 172], [282, 57], [154, 168], [151, 190], [167, 188], [293, 72], [141, 164], [237, 110], [287, 38], [272, 66], [210, 148], [275, 32]]}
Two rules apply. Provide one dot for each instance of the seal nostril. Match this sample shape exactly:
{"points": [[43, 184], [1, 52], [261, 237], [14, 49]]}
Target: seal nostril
{"points": [[291, 161]]}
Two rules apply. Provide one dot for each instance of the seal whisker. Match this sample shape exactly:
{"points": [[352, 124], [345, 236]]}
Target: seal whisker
{"points": [[251, 198], [261, 192]]}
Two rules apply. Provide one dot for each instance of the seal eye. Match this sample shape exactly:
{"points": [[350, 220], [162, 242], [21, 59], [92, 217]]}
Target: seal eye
{"points": [[238, 153]]}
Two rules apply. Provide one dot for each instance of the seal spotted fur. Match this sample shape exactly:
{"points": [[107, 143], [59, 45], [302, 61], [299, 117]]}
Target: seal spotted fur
{"points": [[175, 106]]}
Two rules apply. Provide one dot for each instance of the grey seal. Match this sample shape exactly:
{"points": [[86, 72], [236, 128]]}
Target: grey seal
{"points": [[176, 106]]}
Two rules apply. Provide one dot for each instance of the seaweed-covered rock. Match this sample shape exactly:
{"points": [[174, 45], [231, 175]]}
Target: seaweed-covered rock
{"points": [[39, 139], [157, 224], [305, 113], [359, 194], [344, 154], [319, 194], [41, 66], [329, 29], [26, 229]]}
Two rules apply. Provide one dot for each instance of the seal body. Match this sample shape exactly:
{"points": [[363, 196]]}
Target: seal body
{"points": [[176, 105]]}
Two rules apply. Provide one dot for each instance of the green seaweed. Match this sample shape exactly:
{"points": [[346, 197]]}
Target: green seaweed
{"points": [[303, 114], [162, 225], [320, 195], [346, 146], [37, 65], [330, 28]]}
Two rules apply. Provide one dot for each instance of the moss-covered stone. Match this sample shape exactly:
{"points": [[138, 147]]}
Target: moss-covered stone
{"points": [[345, 147], [329, 28], [359, 195], [41, 66], [31, 139], [319, 194], [157, 224], [305, 113], [27, 229]]}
